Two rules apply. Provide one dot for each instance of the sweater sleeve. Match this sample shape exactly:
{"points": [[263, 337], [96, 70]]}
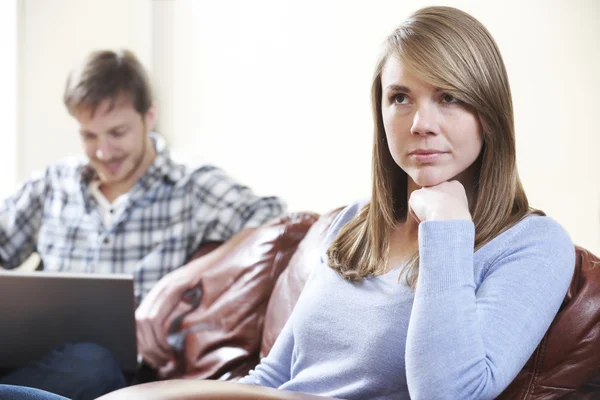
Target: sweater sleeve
{"points": [[465, 342]]}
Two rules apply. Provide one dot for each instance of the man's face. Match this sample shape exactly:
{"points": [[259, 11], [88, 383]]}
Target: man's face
{"points": [[115, 139]]}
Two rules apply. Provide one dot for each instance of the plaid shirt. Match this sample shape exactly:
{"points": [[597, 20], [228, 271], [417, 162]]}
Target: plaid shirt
{"points": [[171, 210]]}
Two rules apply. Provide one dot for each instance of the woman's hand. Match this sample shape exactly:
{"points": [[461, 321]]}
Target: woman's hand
{"points": [[446, 201]]}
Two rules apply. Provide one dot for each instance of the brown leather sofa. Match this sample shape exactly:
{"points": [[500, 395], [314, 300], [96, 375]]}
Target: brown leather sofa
{"points": [[248, 294]]}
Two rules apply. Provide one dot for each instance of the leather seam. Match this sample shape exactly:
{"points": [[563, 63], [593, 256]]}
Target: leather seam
{"points": [[535, 373]]}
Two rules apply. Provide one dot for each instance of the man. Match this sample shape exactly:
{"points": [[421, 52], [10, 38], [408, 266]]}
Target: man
{"points": [[126, 207]]}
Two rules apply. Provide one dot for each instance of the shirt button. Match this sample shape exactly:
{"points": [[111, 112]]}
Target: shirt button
{"points": [[111, 210], [106, 241]]}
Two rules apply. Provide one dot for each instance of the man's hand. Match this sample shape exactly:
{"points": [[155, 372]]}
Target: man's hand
{"points": [[154, 310], [152, 315], [446, 201]]}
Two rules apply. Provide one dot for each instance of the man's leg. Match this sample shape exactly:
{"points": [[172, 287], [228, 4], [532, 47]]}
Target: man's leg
{"points": [[25, 393], [78, 371]]}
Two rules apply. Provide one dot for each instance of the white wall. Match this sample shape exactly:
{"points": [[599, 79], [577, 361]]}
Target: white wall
{"points": [[277, 91], [8, 96]]}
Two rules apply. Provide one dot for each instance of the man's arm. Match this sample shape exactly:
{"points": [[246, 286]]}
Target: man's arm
{"points": [[223, 209], [236, 205], [160, 302], [20, 220]]}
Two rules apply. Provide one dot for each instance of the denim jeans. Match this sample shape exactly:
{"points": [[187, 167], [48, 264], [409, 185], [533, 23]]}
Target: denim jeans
{"points": [[25, 393], [77, 371]]}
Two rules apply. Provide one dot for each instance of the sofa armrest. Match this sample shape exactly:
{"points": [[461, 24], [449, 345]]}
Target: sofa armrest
{"points": [[183, 389]]}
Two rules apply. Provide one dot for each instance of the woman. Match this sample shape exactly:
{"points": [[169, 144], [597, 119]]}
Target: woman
{"points": [[443, 283]]}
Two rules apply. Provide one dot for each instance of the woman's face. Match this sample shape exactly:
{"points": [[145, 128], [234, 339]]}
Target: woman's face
{"points": [[432, 136]]}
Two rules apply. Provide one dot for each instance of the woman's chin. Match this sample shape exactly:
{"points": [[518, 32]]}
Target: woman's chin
{"points": [[426, 180]]}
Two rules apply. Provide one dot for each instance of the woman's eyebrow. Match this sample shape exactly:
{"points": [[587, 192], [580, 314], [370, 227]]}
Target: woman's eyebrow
{"points": [[398, 88]]}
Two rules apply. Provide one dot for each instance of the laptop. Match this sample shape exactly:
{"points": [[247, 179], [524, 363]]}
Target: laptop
{"points": [[40, 311]]}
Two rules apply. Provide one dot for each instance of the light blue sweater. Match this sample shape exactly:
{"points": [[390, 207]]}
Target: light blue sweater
{"points": [[464, 333]]}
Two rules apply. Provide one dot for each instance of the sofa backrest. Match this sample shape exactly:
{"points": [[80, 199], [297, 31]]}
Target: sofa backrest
{"points": [[221, 336]]}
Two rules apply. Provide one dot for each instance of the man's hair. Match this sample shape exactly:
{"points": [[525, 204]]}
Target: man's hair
{"points": [[106, 75]]}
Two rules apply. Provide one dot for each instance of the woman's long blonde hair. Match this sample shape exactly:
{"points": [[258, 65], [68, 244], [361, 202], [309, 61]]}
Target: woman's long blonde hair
{"points": [[451, 50]]}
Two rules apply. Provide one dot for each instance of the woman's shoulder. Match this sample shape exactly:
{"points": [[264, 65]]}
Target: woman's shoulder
{"points": [[542, 229], [346, 215], [535, 236]]}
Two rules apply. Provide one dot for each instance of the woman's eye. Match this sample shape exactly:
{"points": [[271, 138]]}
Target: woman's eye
{"points": [[448, 98], [400, 99]]}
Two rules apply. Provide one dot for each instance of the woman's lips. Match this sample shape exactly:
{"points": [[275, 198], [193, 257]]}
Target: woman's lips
{"points": [[425, 155]]}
